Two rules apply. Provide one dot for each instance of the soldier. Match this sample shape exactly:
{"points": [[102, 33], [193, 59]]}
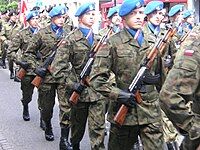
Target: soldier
{"points": [[10, 30], [188, 17], [43, 42], [115, 19], [124, 55], [21, 41], [182, 86], [4, 21], [90, 105], [153, 31]]}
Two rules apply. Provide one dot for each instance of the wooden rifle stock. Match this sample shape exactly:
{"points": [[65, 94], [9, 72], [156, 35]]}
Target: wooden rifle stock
{"points": [[159, 46], [85, 80], [21, 73], [75, 96], [37, 81], [123, 110]]}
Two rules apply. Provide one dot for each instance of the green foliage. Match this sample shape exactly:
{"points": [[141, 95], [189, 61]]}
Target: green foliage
{"points": [[4, 5]]}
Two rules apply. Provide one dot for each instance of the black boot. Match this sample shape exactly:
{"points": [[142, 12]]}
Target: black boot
{"points": [[26, 116], [64, 144], [12, 76], [48, 131], [76, 147], [42, 124]]}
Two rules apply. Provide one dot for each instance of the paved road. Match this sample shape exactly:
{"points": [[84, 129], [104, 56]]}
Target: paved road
{"points": [[16, 134]]}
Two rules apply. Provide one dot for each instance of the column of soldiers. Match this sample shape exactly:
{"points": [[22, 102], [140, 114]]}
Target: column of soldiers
{"points": [[58, 54]]}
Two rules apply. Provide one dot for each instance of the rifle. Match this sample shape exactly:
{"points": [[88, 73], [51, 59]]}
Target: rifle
{"points": [[41, 71], [84, 75], [183, 37], [22, 72], [143, 75]]}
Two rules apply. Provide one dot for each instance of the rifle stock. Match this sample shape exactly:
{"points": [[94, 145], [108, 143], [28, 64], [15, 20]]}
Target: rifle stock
{"points": [[123, 110], [158, 47], [37, 81], [84, 77], [21, 73]]}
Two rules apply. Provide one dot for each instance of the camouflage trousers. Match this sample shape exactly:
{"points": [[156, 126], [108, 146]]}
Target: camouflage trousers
{"points": [[170, 132], [95, 113], [124, 137], [27, 89], [47, 94]]}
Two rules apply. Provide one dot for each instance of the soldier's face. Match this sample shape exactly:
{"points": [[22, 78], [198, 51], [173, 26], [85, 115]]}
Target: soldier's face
{"points": [[179, 17], [13, 18], [59, 20], [87, 19], [116, 19], [156, 17], [135, 18], [190, 20], [34, 21]]}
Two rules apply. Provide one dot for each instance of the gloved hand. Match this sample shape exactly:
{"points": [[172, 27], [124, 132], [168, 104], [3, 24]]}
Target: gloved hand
{"points": [[168, 63], [79, 88], [22, 64], [40, 72], [126, 98]]}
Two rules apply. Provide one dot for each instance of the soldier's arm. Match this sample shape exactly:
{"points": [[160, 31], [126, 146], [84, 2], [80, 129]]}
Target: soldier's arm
{"points": [[15, 45], [60, 66], [30, 54], [180, 86], [101, 73]]}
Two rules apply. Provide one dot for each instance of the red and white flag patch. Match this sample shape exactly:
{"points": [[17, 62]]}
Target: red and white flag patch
{"points": [[188, 52]]}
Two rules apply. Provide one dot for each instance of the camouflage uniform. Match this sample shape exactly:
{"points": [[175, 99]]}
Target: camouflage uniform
{"points": [[43, 43], [123, 58], [21, 41], [90, 105], [182, 86], [170, 132], [11, 30]]}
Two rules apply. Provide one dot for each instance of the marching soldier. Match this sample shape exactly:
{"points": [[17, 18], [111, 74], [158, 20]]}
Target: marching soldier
{"points": [[43, 42], [21, 41], [124, 55], [182, 86], [10, 30], [152, 32], [90, 105]]}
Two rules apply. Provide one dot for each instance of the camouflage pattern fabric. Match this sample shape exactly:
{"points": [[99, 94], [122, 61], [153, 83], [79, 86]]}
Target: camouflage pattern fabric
{"points": [[170, 132], [67, 65], [182, 86], [123, 57], [43, 43]]}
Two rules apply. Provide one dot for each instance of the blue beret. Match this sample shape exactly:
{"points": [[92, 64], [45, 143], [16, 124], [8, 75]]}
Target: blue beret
{"points": [[187, 13], [57, 11], [129, 5], [112, 11], [152, 6], [31, 14], [84, 8], [175, 9]]}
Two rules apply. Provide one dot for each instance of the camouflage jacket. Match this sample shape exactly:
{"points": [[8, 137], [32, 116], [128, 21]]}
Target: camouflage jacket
{"points": [[71, 59], [123, 58], [183, 85], [20, 41], [41, 45]]}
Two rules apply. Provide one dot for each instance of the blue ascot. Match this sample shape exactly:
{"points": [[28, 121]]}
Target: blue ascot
{"points": [[88, 34], [138, 35], [57, 30], [34, 30], [154, 29], [116, 28]]}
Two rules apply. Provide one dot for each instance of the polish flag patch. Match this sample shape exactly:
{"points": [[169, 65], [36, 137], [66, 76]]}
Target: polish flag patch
{"points": [[188, 52]]}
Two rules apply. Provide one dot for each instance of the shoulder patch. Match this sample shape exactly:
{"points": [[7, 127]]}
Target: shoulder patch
{"points": [[188, 52]]}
